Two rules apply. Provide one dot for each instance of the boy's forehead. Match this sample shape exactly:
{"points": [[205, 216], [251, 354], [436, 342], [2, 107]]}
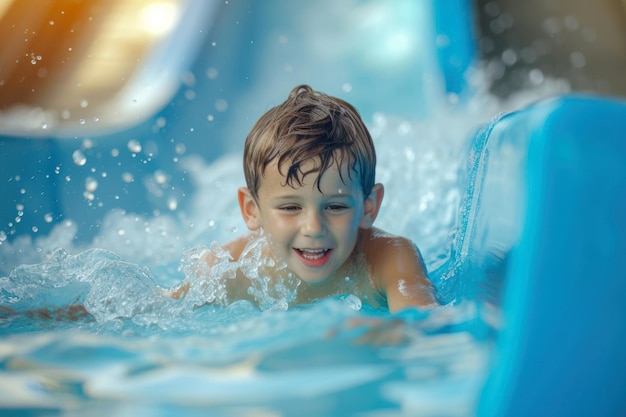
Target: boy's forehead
{"points": [[310, 172]]}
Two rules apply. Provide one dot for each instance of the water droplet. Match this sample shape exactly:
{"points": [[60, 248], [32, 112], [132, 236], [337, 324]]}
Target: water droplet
{"points": [[188, 79], [79, 158], [160, 177], [180, 148], [91, 184], [509, 57], [212, 73], [134, 146], [172, 204], [81, 121], [409, 154], [551, 26], [48, 217], [571, 23], [353, 302], [44, 125], [536, 76], [210, 118], [35, 229], [84, 103], [127, 177], [221, 105], [87, 143], [121, 232], [577, 59]]}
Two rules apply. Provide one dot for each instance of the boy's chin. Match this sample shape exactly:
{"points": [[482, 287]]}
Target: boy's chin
{"points": [[312, 279]]}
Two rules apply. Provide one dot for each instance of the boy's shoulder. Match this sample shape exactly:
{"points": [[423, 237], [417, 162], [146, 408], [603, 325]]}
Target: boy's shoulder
{"points": [[388, 255], [375, 240]]}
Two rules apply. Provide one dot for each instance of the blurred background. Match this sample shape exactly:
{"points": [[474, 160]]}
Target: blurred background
{"points": [[100, 100], [583, 42]]}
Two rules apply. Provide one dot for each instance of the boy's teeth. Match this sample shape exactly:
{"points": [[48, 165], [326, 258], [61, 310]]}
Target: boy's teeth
{"points": [[313, 253]]}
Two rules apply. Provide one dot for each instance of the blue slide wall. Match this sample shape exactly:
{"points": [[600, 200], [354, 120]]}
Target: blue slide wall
{"points": [[560, 234]]}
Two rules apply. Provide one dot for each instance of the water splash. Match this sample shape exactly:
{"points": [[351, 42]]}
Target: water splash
{"points": [[112, 289], [108, 287], [271, 285], [267, 281]]}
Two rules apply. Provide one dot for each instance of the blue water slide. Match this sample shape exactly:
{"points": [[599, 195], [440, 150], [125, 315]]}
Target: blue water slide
{"points": [[454, 42], [545, 236]]}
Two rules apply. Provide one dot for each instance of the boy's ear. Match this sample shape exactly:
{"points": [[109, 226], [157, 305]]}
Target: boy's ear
{"points": [[371, 206], [249, 209]]}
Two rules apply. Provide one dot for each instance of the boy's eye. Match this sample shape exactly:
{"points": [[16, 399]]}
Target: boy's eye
{"points": [[289, 208], [336, 207]]}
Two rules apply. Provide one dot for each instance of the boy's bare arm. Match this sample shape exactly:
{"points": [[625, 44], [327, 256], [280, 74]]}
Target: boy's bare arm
{"points": [[398, 270]]}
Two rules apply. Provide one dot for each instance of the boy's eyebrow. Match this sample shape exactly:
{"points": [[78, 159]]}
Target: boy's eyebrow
{"points": [[338, 195], [284, 197], [297, 197]]}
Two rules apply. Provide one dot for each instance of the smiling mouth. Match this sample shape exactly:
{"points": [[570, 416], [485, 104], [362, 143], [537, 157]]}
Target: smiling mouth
{"points": [[313, 257]]}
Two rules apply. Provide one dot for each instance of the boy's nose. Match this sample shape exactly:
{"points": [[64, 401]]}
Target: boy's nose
{"points": [[313, 224]]}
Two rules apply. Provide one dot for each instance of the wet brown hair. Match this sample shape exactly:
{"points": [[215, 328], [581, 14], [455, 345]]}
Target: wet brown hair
{"points": [[309, 125]]}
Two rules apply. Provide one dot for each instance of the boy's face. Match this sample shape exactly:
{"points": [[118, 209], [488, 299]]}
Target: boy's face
{"points": [[313, 231]]}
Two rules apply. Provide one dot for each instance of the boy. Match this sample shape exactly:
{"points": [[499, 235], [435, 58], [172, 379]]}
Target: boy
{"points": [[309, 165]]}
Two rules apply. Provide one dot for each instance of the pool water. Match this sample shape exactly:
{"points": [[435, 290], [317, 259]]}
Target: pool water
{"points": [[237, 361]]}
